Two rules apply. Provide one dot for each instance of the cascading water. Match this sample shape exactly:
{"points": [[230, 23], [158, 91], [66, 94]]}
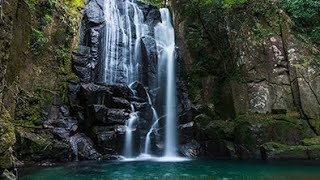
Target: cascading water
{"points": [[124, 33], [128, 147], [155, 119], [122, 48], [164, 35]]}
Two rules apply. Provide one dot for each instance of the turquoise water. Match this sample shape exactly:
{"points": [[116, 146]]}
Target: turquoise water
{"points": [[196, 169]]}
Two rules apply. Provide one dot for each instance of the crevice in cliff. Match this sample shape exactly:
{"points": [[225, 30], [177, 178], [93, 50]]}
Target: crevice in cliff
{"points": [[292, 74], [312, 90]]}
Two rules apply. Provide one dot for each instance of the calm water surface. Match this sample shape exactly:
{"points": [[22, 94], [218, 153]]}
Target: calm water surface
{"points": [[196, 169]]}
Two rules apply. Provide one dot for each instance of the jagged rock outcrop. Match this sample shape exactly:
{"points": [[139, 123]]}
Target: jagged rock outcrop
{"points": [[91, 52]]}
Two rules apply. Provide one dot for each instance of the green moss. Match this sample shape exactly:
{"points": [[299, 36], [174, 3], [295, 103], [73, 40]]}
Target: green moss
{"points": [[246, 137], [281, 148], [38, 41], [306, 16], [254, 130], [278, 151], [219, 129], [311, 141], [231, 3], [31, 143], [7, 139]]}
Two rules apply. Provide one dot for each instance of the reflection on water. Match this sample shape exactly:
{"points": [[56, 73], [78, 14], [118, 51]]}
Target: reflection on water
{"points": [[197, 169]]}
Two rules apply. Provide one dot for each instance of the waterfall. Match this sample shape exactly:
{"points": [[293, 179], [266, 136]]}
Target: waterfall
{"points": [[164, 35], [125, 28], [128, 147], [155, 119], [121, 46]]}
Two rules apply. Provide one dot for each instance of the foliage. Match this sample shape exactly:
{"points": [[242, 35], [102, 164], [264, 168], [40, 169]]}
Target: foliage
{"points": [[158, 3], [38, 41], [54, 26], [205, 33], [230, 3], [306, 16]]}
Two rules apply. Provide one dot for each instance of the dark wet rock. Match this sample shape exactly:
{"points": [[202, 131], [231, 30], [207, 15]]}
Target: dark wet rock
{"points": [[39, 146], [202, 120], [153, 17], [84, 73], [94, 12], [139, 90], [61, 133], [117, 116], [94, 94], [191, 150], [97, 114], [62, 129], [144, 109], [120, 103], [53, 113], [82, 147], [107, 139], [120, 90], [65, 111], [149, 61], [73, 87], [188, 116]]}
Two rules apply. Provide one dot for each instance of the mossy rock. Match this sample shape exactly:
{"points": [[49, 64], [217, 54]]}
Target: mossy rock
{"points": [[7, 175], [220, 129], [39, 145], [311, 141], [287, 129], [30, 144], [277, 151], [202, 120], [251, 131], [316, 124], [246, 141], [220, 149], [7, 139]]}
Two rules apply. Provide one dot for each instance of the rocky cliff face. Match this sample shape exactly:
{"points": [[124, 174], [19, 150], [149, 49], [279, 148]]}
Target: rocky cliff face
{"points": [[266, 68], [14, 38], [33, 62]]}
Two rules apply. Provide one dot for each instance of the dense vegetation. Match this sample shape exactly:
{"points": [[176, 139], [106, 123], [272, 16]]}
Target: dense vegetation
{"points": [[54, 28]]}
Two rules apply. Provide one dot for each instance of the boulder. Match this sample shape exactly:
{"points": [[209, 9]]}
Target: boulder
{"points": [[82, 147], [139, 90], [94, 12], [107, 139], [40, 146], [120, 103], [191, 149], [94, 94], [117, 116]]}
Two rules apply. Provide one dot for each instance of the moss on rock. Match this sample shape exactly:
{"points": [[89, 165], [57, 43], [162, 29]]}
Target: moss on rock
{"points": [[7, 139], [276, 151], [311, 141]]}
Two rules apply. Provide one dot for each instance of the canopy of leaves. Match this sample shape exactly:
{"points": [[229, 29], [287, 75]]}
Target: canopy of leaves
{"points": [[306, 15]]}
